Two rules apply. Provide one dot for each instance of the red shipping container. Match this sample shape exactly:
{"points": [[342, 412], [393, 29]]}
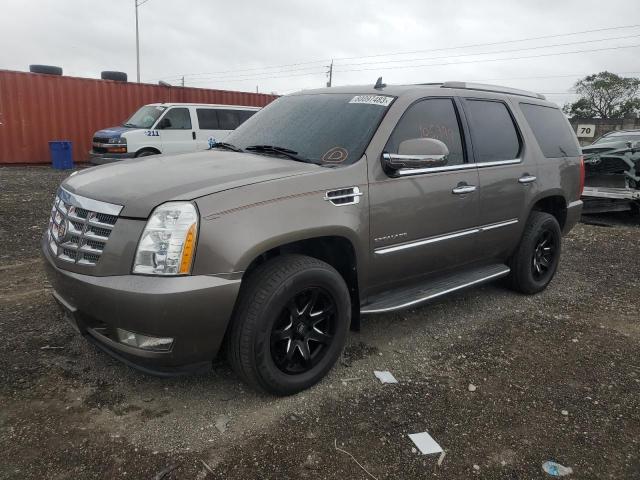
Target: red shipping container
{"points": [[35, 109]]}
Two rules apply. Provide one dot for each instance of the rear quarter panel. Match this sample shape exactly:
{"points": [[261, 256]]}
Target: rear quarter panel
{"points": [[559, 176]]}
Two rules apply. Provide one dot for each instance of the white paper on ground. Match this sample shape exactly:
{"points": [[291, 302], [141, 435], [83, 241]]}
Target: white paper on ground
{"points": [[425, 443], [385, 376]]}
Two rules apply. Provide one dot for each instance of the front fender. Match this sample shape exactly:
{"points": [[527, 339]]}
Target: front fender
{"points": [[276, 213]]}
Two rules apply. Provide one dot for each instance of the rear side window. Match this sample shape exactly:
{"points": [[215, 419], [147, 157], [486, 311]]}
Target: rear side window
{"points": [[430, 118], [551, 129], [178, 119], [207, 118], [245, 115], [228, 119], [215, 119], [493, 133]]}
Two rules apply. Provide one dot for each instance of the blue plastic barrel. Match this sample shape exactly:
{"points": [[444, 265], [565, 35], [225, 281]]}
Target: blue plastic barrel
{"points": [[61, 152]]}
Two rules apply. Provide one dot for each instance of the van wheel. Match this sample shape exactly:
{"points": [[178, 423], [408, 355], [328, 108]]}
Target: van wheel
{"points": [[290, 324], [146, 153], [536, 259]]}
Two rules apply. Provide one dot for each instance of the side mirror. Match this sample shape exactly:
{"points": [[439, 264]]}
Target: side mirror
{"points": [[417, 153], [164, 123]]}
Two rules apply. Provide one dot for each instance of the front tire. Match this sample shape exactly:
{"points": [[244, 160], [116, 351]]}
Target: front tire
{"points": [[146, 153], [290, 324], [536, 259]]}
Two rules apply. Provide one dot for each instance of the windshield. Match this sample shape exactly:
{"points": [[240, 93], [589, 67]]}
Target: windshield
{"points": [[145, 117], [619, 137], [322, 128]]}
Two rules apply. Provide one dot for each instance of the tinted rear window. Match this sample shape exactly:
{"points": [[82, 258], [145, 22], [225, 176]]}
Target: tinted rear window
{"points": [[551, 129], [222, 119], [207, 119], [228, 119], [245, 115], [493, 134]]}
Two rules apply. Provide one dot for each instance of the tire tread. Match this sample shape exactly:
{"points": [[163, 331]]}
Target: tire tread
{"points": [[261, 285]]}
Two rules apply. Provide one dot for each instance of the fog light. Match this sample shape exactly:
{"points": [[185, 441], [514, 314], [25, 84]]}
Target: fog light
{"points": [[145, 342]]}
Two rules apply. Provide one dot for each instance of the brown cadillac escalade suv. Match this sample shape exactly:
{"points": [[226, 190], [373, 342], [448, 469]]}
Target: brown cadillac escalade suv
{"points": [[326, 206]]}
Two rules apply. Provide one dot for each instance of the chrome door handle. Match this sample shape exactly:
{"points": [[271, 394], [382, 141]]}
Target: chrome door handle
{"points": [[525, 179], [462, 189]]}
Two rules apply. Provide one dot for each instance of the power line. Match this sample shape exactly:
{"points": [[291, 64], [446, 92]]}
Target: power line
{"points": [[490, 53], [264, 68], [323, 72], [565, 75], [252, 78], [489, 59], [493, 43], [239, 76]]}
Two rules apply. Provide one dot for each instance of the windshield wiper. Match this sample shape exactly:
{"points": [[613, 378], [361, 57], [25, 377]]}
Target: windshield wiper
{"points": [[128, 125], [227, 146], [286, 152]]}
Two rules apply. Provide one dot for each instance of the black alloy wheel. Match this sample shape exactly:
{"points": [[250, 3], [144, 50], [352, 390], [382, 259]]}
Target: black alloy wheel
{"points": [[304, 331], [543, 255], [289, 325], [535, 260]]}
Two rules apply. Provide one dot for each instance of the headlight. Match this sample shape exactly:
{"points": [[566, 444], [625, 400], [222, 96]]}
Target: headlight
{"points": [[118, 140], [168, 242]]}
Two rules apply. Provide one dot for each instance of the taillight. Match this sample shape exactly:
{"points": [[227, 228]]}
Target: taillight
{"points": [[581, 188]]}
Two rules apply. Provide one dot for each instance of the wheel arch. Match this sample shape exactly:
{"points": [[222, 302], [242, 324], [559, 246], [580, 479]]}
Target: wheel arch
{"points": [[155, 150], [336, 249], [553, 203]]}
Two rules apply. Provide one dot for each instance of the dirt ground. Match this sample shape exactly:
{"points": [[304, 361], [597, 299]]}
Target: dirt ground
{"points": [[557, 377]]}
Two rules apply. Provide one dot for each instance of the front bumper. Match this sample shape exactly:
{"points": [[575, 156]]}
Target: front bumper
{"points": [[574, 210], [102, 158], [193, 310]]}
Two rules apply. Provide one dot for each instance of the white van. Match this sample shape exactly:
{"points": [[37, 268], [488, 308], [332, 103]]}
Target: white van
{"points": [[168, 128]]}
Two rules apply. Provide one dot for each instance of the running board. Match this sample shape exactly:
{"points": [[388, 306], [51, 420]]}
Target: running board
{"points": [[409, 297]]}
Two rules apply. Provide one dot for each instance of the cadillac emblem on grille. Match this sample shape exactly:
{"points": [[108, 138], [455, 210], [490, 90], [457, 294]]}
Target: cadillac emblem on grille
{"points": [[80, 227], [62, 231]]}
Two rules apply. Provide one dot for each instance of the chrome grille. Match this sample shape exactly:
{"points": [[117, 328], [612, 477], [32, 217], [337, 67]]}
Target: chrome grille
{"points": [[79, 227]]}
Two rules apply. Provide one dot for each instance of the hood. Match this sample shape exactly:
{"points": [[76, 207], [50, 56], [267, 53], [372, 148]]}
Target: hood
{"points": [[141, 184], [113, 132]]}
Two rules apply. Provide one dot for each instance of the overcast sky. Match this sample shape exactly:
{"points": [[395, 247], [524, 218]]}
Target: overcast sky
{"points": [[285, 45]]}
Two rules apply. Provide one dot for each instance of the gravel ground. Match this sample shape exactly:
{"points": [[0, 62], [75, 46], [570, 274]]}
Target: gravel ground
{"points": [[557, 377]]}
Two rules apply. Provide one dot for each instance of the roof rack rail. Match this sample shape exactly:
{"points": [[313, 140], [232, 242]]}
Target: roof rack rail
{"points": [[492, 88]]}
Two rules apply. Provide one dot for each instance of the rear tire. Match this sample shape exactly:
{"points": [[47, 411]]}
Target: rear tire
{"points": [[536, 259], [290, 324]]}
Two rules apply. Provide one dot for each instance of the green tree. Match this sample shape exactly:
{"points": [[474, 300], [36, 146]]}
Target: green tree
{"points": [[605, 95]]}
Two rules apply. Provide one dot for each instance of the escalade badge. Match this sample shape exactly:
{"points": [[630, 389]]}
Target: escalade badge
{"points": [[393, 236]]}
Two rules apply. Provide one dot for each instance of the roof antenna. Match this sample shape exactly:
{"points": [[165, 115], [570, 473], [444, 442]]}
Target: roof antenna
{"points": [[379, 84]]}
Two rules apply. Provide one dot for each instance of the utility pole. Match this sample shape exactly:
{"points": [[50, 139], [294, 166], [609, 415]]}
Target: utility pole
{"points": [[330, 73], [182, 82], [137, 44], [138, 3]]}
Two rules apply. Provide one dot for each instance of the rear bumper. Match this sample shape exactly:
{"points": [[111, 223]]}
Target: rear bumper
{"points": [[193, 310], [102, 158], [611, 193], [574, 210]]}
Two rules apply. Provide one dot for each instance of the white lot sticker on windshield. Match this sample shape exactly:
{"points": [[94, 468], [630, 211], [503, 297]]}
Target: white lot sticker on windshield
{"points": [[381, 100]]}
